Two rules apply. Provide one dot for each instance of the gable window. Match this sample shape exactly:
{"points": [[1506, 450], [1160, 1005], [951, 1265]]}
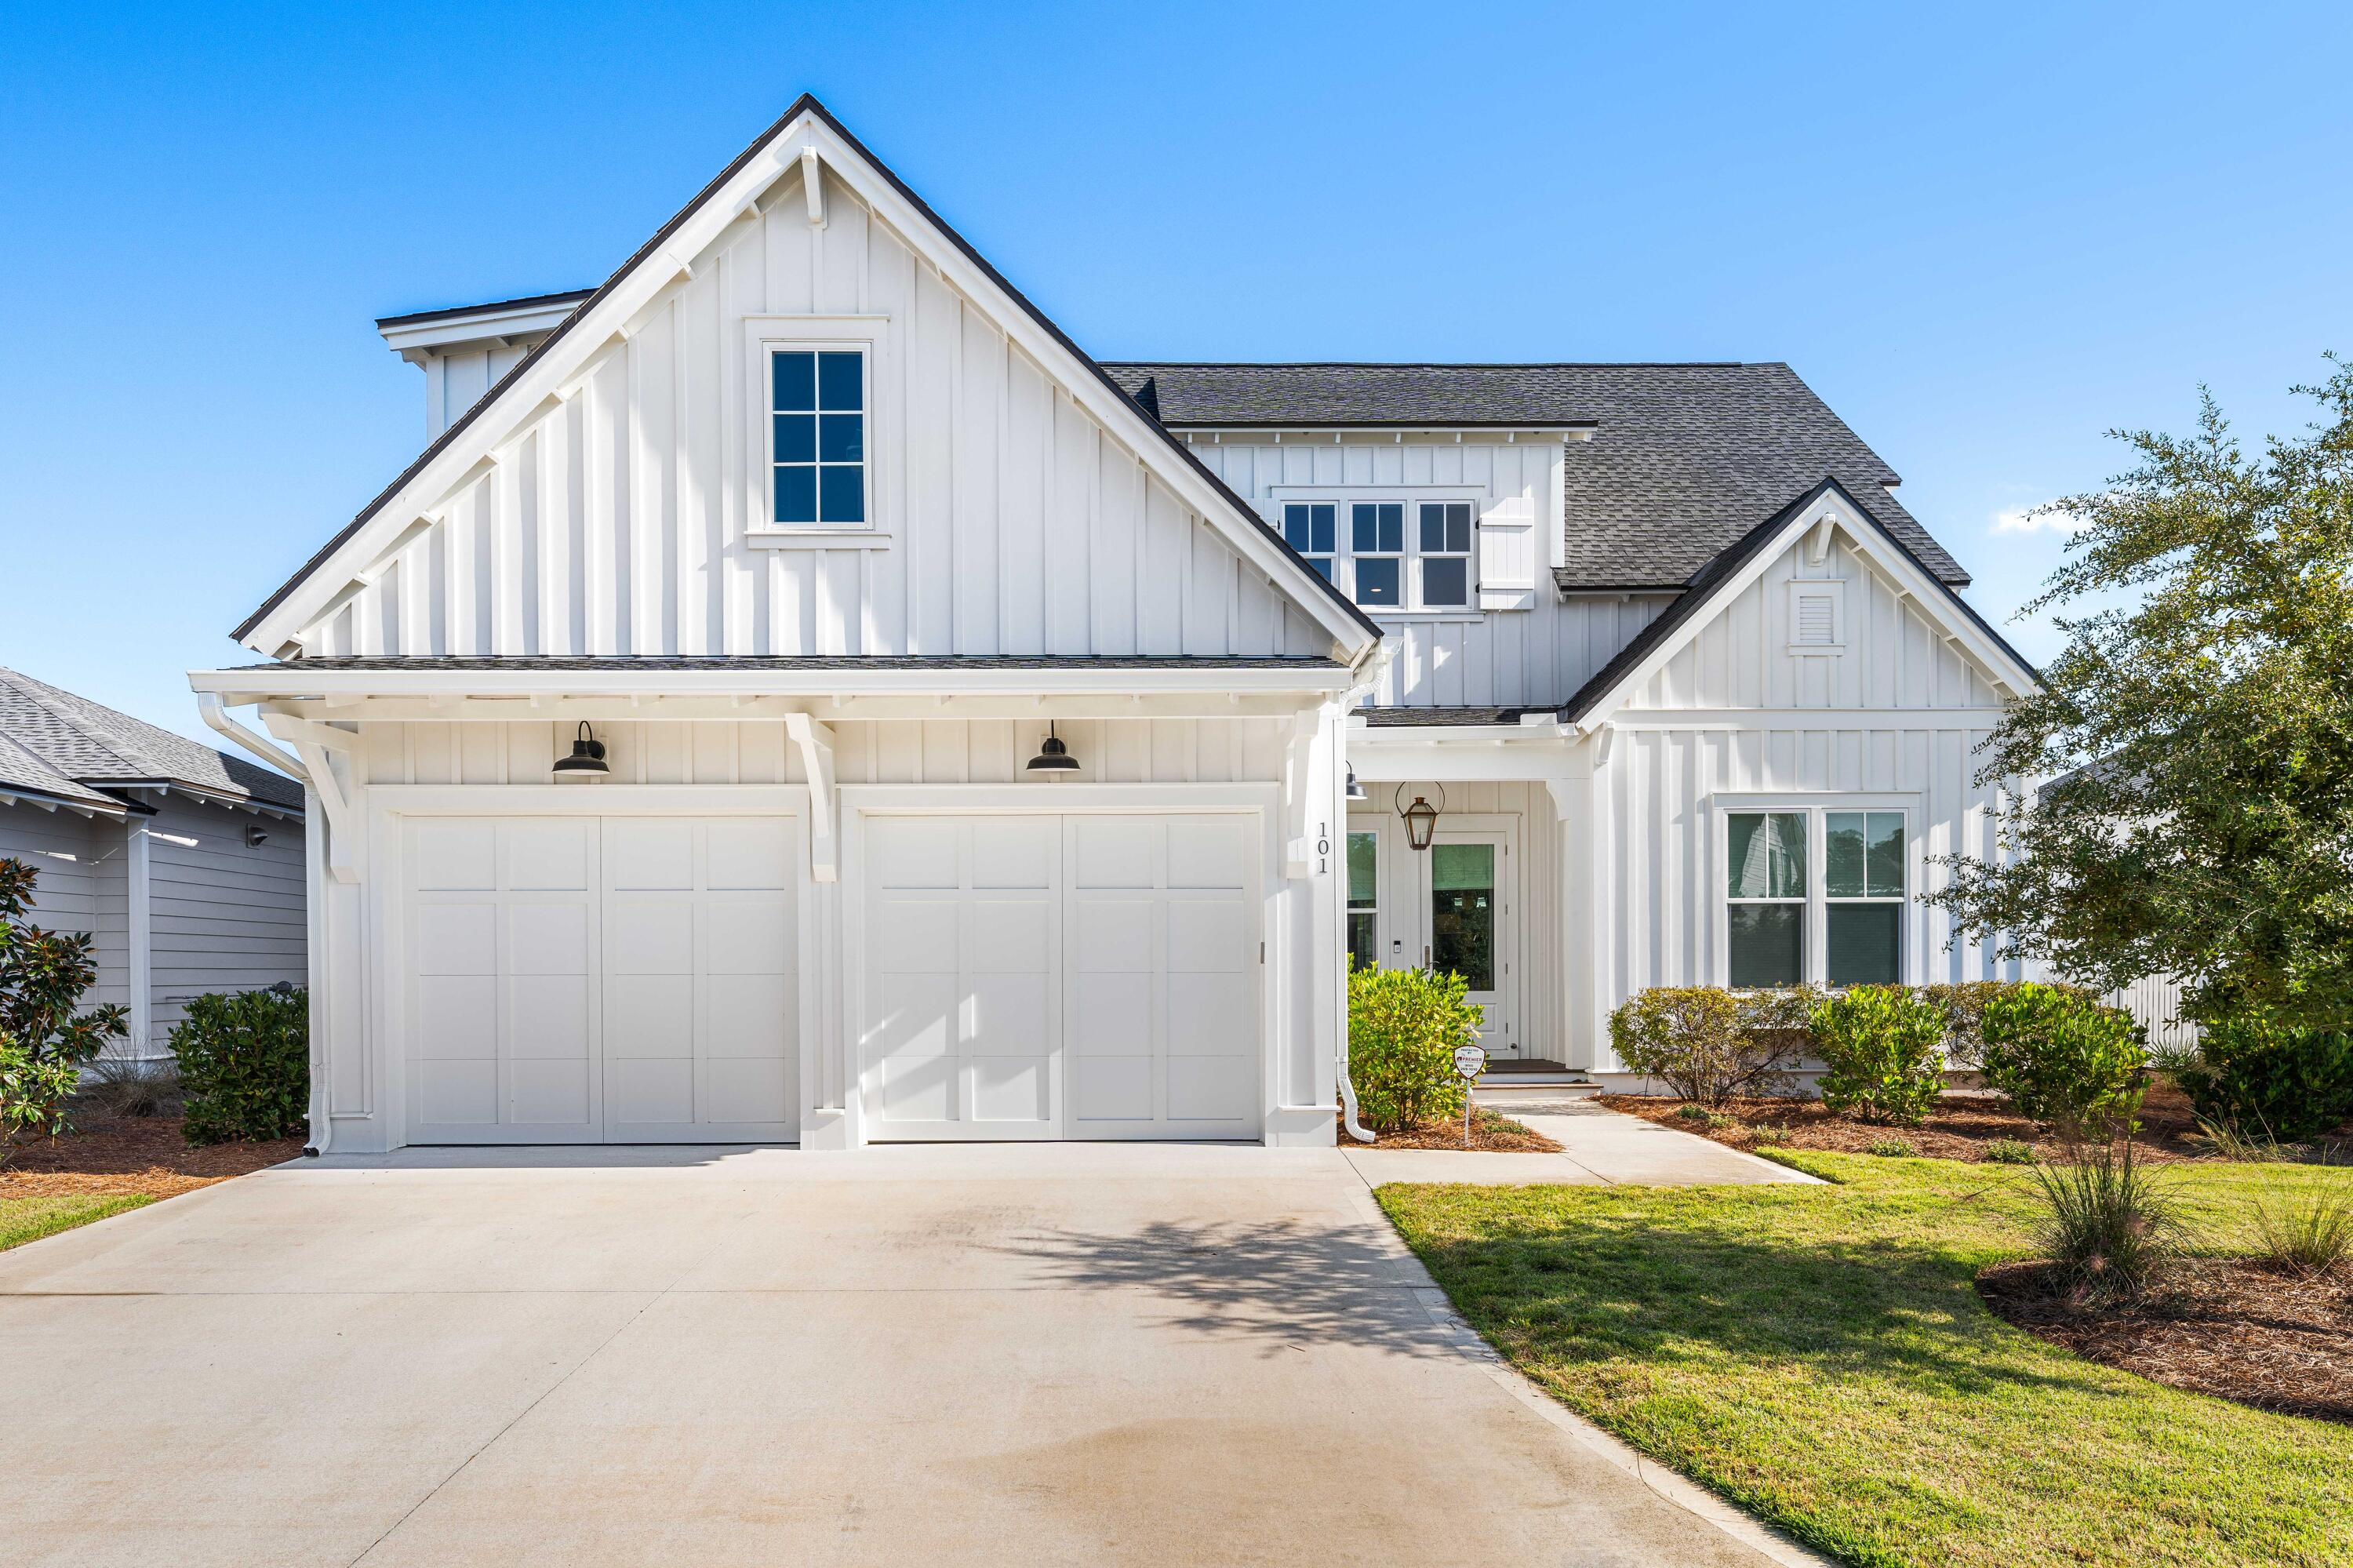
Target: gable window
{"points": [[818, 426], [1814, 895], [1376, 539], [1445, 553], [1311, 528]]}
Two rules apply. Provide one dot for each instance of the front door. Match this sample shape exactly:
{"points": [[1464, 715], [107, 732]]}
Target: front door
{"points": [[1447, 908]]}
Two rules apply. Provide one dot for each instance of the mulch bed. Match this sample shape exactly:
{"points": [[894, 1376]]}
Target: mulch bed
{"points": [[1490, 1134], [1959, 1128], [130, 1154], [2234, 1328]]}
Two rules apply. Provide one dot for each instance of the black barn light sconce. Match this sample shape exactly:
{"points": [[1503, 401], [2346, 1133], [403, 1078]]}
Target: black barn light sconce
{"points": [[587, 763], [1054, 757], [1356, 790]]}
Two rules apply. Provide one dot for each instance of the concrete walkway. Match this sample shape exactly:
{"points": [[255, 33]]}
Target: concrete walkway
{"points": [[1077, 1354], [1599, 1147]]}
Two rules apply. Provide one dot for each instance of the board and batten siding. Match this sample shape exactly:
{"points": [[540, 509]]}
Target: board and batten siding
{"points": [[1539, 654], [614, 522], [1899, 711]]}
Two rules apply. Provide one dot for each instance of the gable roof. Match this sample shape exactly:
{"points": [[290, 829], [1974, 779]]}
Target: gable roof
{"points": [[1682, 462], [1307, 581], [1709, 586], [49, 735]]}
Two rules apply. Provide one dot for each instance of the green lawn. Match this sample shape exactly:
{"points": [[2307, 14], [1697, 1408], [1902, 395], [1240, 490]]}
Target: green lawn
{"points": [[1818, 1355], [30, 1219]]}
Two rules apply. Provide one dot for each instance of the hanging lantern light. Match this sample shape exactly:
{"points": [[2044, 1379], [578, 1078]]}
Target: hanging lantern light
{"points": [[1054, 757], [587, 763], [1420, 818], [1356, 790]]}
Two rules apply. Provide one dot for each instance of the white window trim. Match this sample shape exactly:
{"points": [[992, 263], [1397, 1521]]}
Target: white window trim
{"points": [[1813, 952], [1411, 496], [1834, 590], [765, 334]]}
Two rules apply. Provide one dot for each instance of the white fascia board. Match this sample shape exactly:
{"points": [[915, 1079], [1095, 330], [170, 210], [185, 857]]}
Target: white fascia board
{"points": [[447, 332], [1383, 435], [239, 686]]}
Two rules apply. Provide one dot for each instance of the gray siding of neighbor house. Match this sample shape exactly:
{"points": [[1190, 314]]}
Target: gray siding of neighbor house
{"points": [[222, 915], [80, 887]]}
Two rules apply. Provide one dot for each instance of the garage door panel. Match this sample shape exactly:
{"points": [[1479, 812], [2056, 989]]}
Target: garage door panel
{"points": [[1011, 1088], [548, 1016], [752, 1088], [1015, 852], [751, 854], [1114, 852], [652, 855], [550, 939], [1209, 1015], [749, 939], [1011, 937], [455, 939], [915, 934], [913, 852], [1208, 853], [917, 1087], [461, 1093], [1011, 1015], [457, 1018], [550, 856], [654, 1090], [546, 1092], [745, 1015], [453, 857], [649, 1015], [1113, 934], [1212, 1088], [913, 1015], [1110, 1015], [1111, 1089], [1207, 936], [651, 936]]}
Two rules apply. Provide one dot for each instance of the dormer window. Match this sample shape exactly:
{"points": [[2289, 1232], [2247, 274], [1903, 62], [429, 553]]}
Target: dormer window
{"points": [[1313, 528], [817, 422], [1407, 554]]}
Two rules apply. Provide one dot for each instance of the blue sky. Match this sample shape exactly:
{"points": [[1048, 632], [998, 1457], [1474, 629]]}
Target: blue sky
{"points": [[1985, 235]]}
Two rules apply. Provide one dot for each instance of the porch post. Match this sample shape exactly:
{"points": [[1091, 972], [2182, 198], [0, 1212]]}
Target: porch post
{"points": [[1573, 801]]}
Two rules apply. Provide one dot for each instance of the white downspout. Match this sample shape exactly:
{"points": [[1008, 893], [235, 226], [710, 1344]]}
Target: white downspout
{"points": [[208, 703]]}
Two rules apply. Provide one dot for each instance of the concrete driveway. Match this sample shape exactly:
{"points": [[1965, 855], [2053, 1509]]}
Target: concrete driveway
{"points": [[1081, 1354]]}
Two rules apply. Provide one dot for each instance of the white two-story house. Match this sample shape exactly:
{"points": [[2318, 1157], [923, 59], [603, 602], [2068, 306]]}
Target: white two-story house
{"points": [[798, 695]]}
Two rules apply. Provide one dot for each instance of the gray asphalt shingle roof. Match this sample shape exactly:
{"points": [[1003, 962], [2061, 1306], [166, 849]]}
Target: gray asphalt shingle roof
{"points": [[1683, 460], [92, 747]]}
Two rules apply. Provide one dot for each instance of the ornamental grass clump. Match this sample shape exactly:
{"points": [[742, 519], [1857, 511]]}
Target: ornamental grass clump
{"points": [[1403, 1028], [1882, 1052], [2306, 1224], [2062, 1058], [2106, 1224]]}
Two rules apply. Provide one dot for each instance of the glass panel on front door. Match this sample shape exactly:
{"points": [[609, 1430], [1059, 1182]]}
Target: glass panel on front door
{"points": [[1462, 913], [1364, 899]]}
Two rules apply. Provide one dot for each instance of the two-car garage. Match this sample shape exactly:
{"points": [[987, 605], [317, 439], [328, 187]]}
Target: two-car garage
{"points": [[636, 978]]}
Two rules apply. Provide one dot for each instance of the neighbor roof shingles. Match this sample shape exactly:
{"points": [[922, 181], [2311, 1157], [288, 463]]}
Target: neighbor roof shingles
{"points": [[95, 745], [1682, 462]]}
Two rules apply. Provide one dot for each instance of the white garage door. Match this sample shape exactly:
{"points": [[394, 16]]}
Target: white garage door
{"points": [[578, 980], [1081, 976]]}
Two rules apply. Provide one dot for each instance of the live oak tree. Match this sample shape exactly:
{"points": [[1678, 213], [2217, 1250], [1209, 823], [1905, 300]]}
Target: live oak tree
{"points": [[2203, 824]]}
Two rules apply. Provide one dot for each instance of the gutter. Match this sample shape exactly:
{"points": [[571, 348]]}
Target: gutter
{"points": [[208, 703]]}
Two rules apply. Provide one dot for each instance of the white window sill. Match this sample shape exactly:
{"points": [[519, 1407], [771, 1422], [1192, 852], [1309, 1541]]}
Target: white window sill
{"points": [[1453, 612], [815, 540], [1816, 650]]}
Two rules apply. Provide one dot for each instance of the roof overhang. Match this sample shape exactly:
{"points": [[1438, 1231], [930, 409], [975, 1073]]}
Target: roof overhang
{"points": [[504, 323], [46, 800]]}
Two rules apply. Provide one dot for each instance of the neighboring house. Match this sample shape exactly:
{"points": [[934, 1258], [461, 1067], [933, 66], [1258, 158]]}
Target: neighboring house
{"points": [[185, 865], [1000, 744]]}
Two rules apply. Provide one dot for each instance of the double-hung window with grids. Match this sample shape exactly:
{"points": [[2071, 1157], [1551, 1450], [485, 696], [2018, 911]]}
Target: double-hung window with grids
{"points": [[1814, 895]]}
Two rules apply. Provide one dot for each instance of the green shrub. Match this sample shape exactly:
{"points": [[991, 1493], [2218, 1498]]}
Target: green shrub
{"points": [[2009, 1152], [1403, 1027], [1707, 1044], [2291, 1084], [1965, 1008], [245, 1064], [1891, 1149], [1771, 1137], [2062, 1058], [1692, 1113], [43, 1041], [1882, 1050]]}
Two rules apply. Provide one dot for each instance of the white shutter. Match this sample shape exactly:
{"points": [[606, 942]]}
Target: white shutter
{"points": [[1507, 553]]}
